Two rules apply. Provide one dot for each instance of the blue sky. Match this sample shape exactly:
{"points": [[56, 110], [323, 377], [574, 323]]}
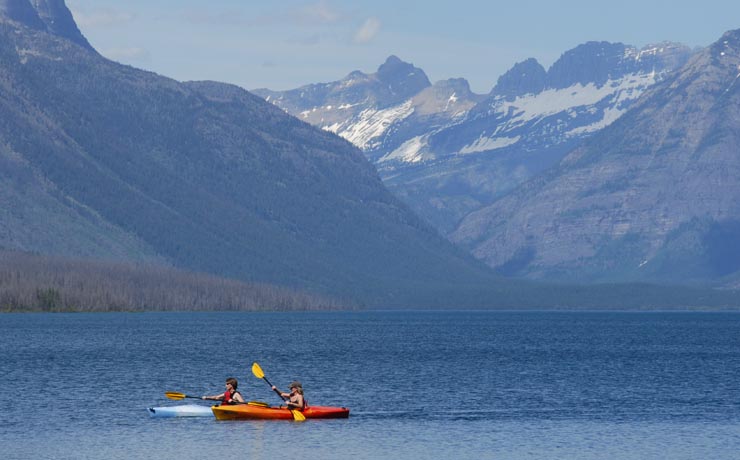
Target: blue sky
{"points": [[286, 44]]}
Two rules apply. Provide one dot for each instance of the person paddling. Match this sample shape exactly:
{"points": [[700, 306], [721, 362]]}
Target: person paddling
{"points": [[230, 396], [296, 399]]}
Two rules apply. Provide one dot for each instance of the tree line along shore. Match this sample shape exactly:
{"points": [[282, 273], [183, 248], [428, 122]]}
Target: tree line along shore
{"points": [[42, 283]]}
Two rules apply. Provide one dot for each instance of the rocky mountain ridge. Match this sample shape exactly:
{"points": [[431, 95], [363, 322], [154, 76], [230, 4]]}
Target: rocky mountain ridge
{"points": [[51, 16], [461, 152], [654, 196]]}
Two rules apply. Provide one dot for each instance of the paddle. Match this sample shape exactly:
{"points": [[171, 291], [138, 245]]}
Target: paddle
{"points": [[180, 396], [257, 371]]}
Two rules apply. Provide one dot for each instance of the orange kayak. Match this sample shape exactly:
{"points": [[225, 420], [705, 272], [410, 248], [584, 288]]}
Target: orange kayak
{"points": [[245, 411]]}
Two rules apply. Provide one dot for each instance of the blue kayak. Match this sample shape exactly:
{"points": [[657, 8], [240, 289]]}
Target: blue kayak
{"points": [[187, 410]]}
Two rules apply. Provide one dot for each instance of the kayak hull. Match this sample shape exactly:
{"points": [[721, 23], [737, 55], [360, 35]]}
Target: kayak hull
{"points": [[247, 412], [187, 410]]}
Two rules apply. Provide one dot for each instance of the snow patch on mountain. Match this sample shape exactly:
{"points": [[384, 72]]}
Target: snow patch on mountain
{"points": [[411, 151], [552, 101], [370, 124], [452, 99], [484, 144], [578, 110], [611, 115]]}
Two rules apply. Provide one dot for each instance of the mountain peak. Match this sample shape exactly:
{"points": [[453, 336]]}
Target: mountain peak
{"points": [[393, 60], [402, 78], [51, 16], [588, 62], [394, 68], [21, 11], [726, 50], [59, 21], [525, 77], [456, 84], [730, 35]]}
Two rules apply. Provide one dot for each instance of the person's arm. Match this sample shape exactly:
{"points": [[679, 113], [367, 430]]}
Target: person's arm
{"points": [[237, 397], [284, 395], [218, 397]]}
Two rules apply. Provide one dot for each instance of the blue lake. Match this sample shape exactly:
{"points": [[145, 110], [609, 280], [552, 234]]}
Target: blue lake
{"points": [[420, 385]]}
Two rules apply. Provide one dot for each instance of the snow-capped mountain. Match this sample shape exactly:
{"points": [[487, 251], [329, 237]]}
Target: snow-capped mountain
{"points": [[448, 151], [585, 90], [378, 112], [653, 197]]}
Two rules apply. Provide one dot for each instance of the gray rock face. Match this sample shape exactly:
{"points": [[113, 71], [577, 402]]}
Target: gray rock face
{"points": [[654, 196], [59, 20], [402, 79], [51, 16], [21, 11], [525, 77], [592, 62]]}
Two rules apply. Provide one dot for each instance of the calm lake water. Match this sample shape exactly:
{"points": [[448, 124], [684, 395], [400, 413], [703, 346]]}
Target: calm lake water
{"points": [[421, 385]]}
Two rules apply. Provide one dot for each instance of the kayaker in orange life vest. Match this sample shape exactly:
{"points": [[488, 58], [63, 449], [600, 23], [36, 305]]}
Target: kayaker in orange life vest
{"points": [[296, 400], [230, 396]]}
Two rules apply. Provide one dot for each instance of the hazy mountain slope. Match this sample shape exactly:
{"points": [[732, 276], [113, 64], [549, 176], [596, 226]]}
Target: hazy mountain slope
{"points": [[123, 163], [654, 196]]}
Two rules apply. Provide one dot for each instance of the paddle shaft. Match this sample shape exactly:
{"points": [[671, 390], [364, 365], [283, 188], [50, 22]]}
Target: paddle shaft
{"points": [[179, 396], [276, 390]]}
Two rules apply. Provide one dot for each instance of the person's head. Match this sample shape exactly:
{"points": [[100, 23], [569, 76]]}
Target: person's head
{"points": [[232, 381], [296, 385]]}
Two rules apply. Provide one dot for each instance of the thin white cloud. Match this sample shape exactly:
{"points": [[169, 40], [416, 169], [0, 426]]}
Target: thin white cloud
{"points": [[367, 31], [318, 13]]}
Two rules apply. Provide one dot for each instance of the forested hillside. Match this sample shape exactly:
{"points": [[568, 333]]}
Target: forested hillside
{"points": [[103, 160], [32, 282]]}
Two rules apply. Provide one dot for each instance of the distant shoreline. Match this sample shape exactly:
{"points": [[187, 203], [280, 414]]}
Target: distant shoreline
{"points": [[32, 283], [523, 310]]}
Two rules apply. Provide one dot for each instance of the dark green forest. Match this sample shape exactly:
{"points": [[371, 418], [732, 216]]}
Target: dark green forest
{"points": [[42, 283]]}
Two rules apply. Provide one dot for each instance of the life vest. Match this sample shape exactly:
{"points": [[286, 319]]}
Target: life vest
{"points": [[227, 397]]}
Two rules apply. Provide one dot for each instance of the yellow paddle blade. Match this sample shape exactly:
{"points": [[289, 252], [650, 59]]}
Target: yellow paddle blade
{"points": [[298, 415], [175, 396], [257, 371]]}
